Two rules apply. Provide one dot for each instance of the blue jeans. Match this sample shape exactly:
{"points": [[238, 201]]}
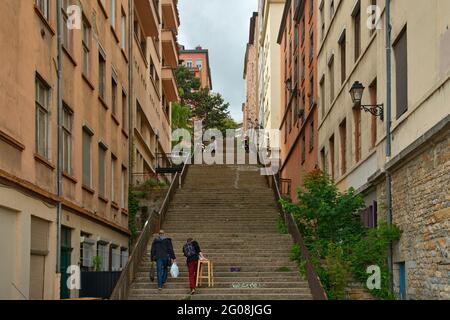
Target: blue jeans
{"points": [[161, 269]]}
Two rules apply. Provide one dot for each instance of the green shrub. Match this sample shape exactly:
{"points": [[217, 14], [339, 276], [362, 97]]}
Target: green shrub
{"points": [[281, 225], [338, 243]]}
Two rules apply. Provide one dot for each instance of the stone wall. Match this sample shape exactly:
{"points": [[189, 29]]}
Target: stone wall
{"points": [[421, 208]]}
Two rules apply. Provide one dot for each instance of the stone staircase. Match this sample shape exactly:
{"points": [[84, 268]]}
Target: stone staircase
{"points": [[232, 213]]}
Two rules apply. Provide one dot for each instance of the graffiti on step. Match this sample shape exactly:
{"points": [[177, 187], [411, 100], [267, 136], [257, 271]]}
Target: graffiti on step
{"points": [[247, 285]]}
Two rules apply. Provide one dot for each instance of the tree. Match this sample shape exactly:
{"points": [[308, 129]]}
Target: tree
{"points": [[181, 115], [210, 108]]}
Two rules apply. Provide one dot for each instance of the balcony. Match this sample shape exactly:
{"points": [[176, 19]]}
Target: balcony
{"points": [[169, 48], [148, 16], [169, 84], [170, 14]]}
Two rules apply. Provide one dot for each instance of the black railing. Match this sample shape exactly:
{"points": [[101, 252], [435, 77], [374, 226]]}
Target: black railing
{"points": [[98, 284], [315, 285], [153, 224]]}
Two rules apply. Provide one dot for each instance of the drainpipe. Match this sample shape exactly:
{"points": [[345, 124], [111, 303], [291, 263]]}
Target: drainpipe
{"points": [[60, 160], [388, 135]]}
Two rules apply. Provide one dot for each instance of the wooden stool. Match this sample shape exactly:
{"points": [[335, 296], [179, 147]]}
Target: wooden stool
{"points": [[210, 275]]}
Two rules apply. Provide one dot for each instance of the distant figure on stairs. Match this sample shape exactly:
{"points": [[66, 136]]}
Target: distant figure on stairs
{"points": [[162, 252], [193, 253]]}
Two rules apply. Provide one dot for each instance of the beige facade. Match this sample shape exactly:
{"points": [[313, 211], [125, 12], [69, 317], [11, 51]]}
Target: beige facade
{"points": [[95, 143], [270, 13], [250, 108], [352, 143], [155, 55]]}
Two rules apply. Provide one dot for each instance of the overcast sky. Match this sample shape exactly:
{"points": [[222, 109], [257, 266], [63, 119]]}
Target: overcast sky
{"points": [[221, 26]]}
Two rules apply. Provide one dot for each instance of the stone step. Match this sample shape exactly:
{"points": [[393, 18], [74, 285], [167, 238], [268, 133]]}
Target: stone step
{"points": [[220, 291], [233, 260], [226, 268], [293, 272], [208, 296], [183, 279], [171, 285]]}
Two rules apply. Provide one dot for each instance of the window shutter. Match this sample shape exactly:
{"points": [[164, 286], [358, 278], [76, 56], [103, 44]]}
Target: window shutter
{"points": [[39, 236], [401, 62]]}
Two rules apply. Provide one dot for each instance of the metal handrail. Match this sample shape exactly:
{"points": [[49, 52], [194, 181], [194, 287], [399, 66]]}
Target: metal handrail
{"points": [[315, 285], [122, 288]]}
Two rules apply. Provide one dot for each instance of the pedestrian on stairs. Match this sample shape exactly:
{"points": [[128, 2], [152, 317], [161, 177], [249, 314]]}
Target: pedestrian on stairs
{"points": [[162, 252], [192, 252]]}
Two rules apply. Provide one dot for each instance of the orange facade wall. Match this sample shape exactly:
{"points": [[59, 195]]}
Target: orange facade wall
{"points": [[204, 74], [299, 126]]}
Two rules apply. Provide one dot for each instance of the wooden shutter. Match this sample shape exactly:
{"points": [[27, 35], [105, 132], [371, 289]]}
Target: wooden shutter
{"points": [[401, 76], [37, 271], [39, 236]]}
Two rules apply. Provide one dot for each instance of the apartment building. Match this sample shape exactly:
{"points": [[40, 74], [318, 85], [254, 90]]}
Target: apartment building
{"points": [[298, 114], [155, 56], [270, 13], [198, 61], [352, 142], [94, 144], [250, 108]]}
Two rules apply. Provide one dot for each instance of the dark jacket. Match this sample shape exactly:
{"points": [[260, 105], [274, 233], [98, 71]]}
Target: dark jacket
{"points": [[195, 257], [162, 248]]}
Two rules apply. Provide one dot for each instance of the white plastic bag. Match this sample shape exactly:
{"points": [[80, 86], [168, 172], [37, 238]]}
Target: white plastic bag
{"points": [[174, 271]]}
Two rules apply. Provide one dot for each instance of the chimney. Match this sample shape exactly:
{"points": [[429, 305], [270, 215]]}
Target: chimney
{"points": [[198, 48]]}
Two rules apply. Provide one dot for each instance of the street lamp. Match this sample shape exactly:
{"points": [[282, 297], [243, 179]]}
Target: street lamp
{"points": [[356, 92]]}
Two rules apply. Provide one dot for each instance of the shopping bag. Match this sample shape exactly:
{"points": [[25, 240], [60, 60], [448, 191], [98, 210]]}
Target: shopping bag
{"points": [[152, 271], [174, 271]]}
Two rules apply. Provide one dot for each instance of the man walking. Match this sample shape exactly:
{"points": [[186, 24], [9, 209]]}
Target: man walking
{"points": [[162, 252], [192, 252]]}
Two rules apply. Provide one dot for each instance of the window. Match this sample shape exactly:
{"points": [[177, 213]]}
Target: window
{"points": [[303, 149], [124, 257], [311, 46], [331, 73], [86, 48], [357, 30], [303, 30], [401, 73], [43, 7], [124, 110], [113, 178], [101, 74], [311, 137], [67, 139], [113, 14], [102, 252], [331, 9], [67, 33], [123, 189], [86, 252], [303, 67], [115, 258], [373, 101], [87, 137], [322, 21], [290, 117], [370, 216], [114, 93], [42, 116], [332, 159], [357, 121], [296, 108], [199, 64], [123, 31], [323, 160], [311, 92], [102, 170], [322, 96], [343, 136], [343, 51], [189, 63], [311, 7]]}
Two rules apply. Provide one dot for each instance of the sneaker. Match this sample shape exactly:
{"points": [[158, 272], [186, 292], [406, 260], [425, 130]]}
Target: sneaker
{"points": [[192, 292], [159, 289]]}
